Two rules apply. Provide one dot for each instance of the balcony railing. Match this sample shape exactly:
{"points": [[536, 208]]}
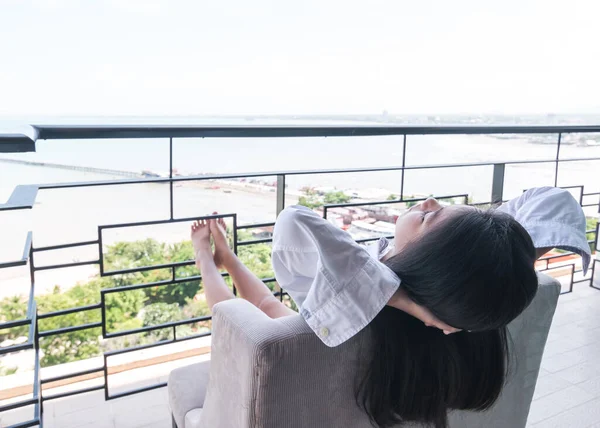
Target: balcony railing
{"points": [[24, 198]]}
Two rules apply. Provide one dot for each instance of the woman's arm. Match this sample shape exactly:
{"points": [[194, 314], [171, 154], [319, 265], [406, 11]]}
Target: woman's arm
{"points": [[216, 290], [401, 301], [254, 290], [338, 287]]}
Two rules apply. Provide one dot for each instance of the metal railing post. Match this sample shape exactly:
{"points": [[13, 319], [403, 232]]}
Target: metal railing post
{"points": [[171, 176], [280, 193], [403, 167], [498, 183], [557, 160]]}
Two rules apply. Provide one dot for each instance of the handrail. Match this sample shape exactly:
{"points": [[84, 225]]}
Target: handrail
{"points": [[16, 142], [21, 142], [50, 132]]}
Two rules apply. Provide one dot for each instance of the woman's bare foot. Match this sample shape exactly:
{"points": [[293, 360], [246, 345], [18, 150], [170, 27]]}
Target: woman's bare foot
{"points": [[201, 242], [223, 253]]}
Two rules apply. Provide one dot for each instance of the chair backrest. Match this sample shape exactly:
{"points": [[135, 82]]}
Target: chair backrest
{"points": [[269, 373]]}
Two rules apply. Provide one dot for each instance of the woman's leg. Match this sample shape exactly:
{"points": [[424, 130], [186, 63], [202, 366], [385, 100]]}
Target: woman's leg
{"points": [[215, 288], [249, 285]]}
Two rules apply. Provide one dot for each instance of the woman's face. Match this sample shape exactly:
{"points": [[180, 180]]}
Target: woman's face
{"points": [[422, 217]]}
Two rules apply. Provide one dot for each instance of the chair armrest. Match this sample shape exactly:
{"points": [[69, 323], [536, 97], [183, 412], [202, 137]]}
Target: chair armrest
{"points": [[187, 389], [241, 332]]}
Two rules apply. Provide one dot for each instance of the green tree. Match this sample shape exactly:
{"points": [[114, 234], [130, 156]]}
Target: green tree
{"points": [[161, 313], [125, 310], [311, 201], [6, 371], [591, 223], [336, 198], [11, 309], [411, 203], [256, 257], [392, 197], [195, 308], [122, 308], [75, 345], [127, 255]]}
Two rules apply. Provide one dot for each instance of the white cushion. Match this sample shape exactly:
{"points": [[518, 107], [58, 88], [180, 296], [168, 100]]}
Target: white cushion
{"points": [[192, 418]]}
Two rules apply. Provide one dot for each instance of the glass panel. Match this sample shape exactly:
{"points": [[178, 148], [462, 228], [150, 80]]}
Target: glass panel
{"points": [[66, 255], [14, 226], [457, 149], [71, 160], [15, 285], [582, 173], [194, 156], [475, 181], [73, 215], [148, 366], [520, 177], [580, 146], [253, 199], [69, 347], [53, 282]]}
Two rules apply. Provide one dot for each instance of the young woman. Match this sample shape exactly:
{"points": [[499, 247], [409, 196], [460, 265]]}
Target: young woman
{"points": [[456, 268]]}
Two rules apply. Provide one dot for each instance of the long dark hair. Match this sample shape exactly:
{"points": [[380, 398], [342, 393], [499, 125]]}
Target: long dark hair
{"points": [[474, 271]]}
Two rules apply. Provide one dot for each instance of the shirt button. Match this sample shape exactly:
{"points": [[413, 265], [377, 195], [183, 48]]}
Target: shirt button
{"points": [[324, 331]]}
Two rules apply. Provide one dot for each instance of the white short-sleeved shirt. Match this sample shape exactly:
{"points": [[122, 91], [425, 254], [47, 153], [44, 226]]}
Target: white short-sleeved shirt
{"points": [[336, 283], [553, 218], [339, 286]]}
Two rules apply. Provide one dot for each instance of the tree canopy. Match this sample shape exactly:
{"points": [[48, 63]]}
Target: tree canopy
{"points": [[130, 309]]}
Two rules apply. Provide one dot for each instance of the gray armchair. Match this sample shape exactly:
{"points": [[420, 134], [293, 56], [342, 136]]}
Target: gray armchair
{"points": [[276, 373]]}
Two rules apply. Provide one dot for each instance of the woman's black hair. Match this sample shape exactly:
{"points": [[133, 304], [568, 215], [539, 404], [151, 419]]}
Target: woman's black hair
{"points": [[474, 271]]}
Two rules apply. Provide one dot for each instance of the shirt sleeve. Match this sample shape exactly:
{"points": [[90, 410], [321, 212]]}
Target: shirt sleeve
{"points": [[338, 286], [553, 218]]}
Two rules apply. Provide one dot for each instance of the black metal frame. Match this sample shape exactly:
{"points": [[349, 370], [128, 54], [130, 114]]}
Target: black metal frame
{"points": [[24, 198]]}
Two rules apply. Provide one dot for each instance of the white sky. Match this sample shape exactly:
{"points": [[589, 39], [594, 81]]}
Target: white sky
{"points": [[124, 57]]}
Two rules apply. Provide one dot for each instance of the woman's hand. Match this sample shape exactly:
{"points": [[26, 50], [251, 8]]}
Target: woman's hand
{"points": [[401, 301]]}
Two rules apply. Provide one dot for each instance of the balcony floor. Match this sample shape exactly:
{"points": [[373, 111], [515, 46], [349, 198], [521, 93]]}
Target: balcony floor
{"points": [[567, 393], [568, 389]]}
